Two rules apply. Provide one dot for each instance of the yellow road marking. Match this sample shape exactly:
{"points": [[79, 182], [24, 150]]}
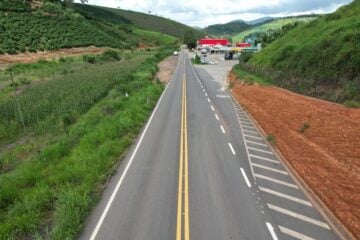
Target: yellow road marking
{"points": [[182, 228]]}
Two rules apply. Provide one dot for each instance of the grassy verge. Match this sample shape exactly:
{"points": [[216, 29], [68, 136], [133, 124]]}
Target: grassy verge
{"points": [[249, 77], [57, 187]]}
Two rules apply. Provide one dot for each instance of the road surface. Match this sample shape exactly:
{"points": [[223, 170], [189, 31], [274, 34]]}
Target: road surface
{"points": [[201, 170]]}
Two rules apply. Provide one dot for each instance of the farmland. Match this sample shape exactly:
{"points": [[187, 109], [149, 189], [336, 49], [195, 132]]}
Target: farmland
{"points": [[73, 141], [53, 26]]}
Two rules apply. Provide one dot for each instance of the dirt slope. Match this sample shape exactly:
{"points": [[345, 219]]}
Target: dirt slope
{"points": [[326, 155], [33, 57]]}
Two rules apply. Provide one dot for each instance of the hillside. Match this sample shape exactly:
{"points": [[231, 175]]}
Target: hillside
{"points": [[53, 26], [269, 25], [320, 59], [141, 20], [227, 29]]}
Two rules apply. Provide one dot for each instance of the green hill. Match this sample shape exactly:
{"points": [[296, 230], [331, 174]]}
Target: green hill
{"points": [[320, 58], [271, 25], [52, 25], [141, 20], [227, 29]]}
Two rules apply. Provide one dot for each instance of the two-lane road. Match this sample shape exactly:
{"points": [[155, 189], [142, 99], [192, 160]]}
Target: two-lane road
{"points": [[189, 175]]}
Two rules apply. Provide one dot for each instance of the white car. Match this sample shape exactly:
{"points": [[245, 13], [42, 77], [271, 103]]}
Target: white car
{"points": [[176, 53]]}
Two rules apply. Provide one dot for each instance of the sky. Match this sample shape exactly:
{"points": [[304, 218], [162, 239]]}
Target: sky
{"points": [[202, 13]]}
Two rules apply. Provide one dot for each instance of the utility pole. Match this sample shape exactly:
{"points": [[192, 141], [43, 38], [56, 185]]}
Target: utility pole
{"points": [[16, 100]]}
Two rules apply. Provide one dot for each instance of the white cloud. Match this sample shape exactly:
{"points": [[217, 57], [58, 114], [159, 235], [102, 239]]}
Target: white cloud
{"points": [[206, 12]]}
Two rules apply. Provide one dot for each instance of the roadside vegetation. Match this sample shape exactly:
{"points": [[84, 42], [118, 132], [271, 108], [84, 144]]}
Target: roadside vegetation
{"points": [[269, 27], [320, 58], [78, 126]]}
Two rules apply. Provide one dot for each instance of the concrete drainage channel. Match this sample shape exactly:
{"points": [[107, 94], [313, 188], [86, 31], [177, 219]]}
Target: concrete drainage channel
{"points": [[294, 214]]}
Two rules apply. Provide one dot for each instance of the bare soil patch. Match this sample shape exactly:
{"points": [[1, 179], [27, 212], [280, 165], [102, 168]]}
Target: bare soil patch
{"points": [[167, 68], [7, 59], [325, 154]]}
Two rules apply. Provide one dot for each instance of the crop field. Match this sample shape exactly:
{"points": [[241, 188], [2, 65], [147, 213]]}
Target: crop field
{"points": [[58, 182], [274, 25]]}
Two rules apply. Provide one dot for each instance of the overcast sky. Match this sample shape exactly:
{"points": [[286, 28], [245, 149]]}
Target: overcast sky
{"points": [[202, 13]]}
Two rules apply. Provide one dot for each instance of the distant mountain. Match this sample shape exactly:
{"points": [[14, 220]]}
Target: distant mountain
{"points": [[255, 21], [260, 20], [227, 29]]}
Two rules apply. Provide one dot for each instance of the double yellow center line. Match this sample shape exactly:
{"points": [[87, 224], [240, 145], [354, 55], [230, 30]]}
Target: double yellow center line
{"points": [[182, 228]]}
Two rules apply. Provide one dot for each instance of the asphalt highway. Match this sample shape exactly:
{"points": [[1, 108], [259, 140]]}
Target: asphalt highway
{"points": [[201, 170]]}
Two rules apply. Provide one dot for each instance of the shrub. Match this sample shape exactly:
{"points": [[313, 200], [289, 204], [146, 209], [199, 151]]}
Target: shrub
{"points": [[89, 59], [271, 139], [110, 55], [245, 57], [304, 127]]}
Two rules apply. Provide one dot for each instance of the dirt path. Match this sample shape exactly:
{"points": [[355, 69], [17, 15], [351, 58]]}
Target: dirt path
{"points": [[33, 57], [326, 154], [167, 68]]}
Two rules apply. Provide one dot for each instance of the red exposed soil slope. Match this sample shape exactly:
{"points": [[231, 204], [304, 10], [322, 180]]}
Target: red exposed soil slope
{"points": [[326, 155]]}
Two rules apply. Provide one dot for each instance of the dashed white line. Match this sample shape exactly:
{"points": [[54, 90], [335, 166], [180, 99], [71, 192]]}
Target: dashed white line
{"points": [[271, 230], [260, 144], [208, 99], [260, 150], [217, 117], [270, 169], [298, 216], [212, 108], [203, 90], [283, 195], [206, 94], [294, 234], [232, 149], [222, 129], [264, 159], [276, 181], [245, 177]]}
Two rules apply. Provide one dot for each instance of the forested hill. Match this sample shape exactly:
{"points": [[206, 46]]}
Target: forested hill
{"points": [[227, 29], [141, 20], [32, 26], [320, 58]]}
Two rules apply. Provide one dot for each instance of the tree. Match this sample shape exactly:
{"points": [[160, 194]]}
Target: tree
{"points": [[189, 39]]}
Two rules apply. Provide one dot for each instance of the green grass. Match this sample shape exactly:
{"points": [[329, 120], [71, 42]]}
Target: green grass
{"points": [[74, 93], [273, 25], [320, 58], [57, 186], [250, 77]]}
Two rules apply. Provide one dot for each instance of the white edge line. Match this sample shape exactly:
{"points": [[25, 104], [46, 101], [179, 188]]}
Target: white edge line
{"points": [[108, 205], [222, 129], [245, 177], [232, 149], [271, 230]]}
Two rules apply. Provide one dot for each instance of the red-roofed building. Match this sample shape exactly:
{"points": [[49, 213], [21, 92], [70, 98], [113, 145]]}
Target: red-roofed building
{"points": [[211, 42]]}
